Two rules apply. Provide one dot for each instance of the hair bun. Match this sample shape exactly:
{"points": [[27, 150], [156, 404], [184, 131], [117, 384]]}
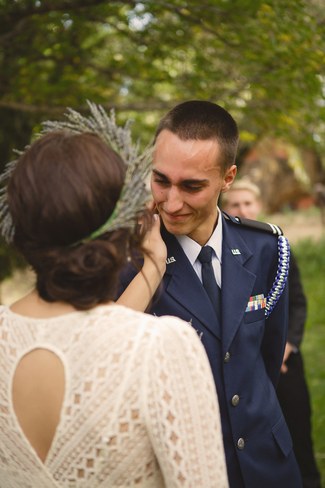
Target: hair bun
{"points": [[84, 275]]}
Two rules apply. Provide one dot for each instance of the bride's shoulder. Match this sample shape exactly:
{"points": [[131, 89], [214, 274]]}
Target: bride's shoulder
{"points": [[162, 323]]}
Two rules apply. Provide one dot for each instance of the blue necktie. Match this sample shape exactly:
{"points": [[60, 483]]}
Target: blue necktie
{"points": [[208, 278]]}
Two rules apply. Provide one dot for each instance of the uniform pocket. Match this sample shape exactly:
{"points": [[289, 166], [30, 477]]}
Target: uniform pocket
{"points": [[282, 436], [254, 315]]}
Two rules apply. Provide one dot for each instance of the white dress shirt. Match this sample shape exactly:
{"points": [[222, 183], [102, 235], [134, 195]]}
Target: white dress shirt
{"points": [[192, 250]]}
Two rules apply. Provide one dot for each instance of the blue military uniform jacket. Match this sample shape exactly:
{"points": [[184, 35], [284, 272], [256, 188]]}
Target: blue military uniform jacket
{"points": [[244, 348]]}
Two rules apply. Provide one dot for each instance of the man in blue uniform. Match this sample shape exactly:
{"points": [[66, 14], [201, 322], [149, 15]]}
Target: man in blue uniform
{"points": [[225, 278]]}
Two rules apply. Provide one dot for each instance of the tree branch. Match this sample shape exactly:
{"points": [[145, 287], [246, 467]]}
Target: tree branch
{"points": [[143, 106], [18, 18]]}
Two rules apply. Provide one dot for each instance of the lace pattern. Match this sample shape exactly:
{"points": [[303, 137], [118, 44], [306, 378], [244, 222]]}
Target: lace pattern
{"points": [[134, 413]]}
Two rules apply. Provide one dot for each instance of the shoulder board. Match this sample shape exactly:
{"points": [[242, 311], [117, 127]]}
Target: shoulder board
{"points": [[255, 224]]}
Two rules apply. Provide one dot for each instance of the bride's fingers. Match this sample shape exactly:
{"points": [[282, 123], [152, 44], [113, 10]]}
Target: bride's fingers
{"points": [[151, 205], [156, 221], [154, 230]]}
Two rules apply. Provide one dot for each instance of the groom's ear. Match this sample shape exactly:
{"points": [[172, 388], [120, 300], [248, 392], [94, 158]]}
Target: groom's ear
{"points": [[229, 178]]}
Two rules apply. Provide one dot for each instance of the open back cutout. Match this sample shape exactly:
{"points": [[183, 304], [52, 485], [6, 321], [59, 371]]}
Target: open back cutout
{"points": [[37, 395]]}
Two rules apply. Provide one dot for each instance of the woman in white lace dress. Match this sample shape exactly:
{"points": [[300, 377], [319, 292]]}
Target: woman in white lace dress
{"points": [[94, 394]]}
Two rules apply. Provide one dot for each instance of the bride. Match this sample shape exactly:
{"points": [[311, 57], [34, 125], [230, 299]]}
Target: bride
{"points": [[92, 393]]}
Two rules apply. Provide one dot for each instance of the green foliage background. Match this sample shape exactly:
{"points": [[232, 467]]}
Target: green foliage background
{"points": [[263, 60], [311, 259]]}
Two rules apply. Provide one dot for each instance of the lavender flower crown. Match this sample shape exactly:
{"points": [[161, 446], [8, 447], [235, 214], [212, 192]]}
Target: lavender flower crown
{"points": [[134, 194]]}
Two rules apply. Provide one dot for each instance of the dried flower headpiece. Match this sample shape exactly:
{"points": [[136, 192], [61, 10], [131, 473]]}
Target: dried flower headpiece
{"points": [[134, 194]]}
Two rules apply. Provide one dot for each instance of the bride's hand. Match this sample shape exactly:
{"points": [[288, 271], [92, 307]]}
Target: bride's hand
{"points": [[141, 289], [154, 247]]}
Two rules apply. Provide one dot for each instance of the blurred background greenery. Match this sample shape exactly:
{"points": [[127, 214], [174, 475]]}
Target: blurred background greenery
{"points": [[311, 258], [262, 60]]}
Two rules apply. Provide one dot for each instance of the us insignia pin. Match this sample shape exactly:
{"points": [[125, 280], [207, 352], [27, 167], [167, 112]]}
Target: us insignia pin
{"points": [[170, 260]]}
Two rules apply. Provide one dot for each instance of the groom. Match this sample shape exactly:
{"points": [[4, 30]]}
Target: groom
{"points": [[243, 327]]}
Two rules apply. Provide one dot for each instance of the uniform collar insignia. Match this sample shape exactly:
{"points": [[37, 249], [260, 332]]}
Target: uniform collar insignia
{"points": [[170, 260]]}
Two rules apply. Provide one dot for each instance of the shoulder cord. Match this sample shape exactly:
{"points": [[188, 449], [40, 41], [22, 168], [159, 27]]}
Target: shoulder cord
{"points": [[281, 275]]}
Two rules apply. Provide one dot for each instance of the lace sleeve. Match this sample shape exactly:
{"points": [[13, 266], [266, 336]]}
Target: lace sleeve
{"points": [[182, 412]]}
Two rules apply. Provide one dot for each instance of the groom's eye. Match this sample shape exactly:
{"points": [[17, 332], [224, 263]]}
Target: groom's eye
{"points": [[192, 187], [161, 181]]}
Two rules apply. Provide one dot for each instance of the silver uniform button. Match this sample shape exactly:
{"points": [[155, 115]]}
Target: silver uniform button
{"points": [[235, 400], [240, 443], [226, 359]]}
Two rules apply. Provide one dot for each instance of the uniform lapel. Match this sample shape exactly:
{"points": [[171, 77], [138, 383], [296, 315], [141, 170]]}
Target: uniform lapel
{"points": [[237, 282], [179, 273]]}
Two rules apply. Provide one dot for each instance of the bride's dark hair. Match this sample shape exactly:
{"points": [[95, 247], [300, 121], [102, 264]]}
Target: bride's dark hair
{"points": [[63, 188]]}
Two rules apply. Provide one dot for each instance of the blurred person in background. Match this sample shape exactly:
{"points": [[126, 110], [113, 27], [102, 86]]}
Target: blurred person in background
{"points": [[243, 200]]}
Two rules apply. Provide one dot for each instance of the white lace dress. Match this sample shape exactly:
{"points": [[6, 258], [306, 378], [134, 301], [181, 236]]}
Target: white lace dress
{"points": [[139, 408]]}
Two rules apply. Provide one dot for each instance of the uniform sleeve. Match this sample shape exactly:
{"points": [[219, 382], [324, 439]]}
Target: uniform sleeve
{"points": [[182, 413], [297, 305], [126, 276]]}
